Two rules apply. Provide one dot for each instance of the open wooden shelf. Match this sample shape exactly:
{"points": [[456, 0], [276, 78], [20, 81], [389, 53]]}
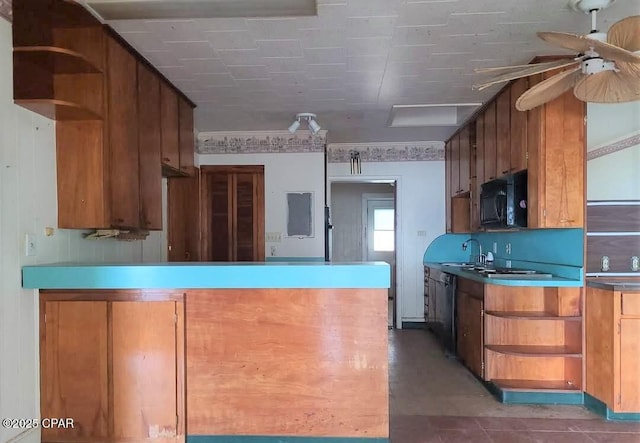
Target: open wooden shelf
{"points": [[529, 385], [531, 315], [535, 351], [56, 60], [58, 109]]}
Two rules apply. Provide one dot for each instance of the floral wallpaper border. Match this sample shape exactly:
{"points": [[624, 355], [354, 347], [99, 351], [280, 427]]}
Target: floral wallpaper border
{"points": [[616, 146], [5, 9], [386, 152], [260, 142]]}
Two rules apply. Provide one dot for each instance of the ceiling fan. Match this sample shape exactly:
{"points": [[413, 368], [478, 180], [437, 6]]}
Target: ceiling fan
{"points": [[606, 69]]}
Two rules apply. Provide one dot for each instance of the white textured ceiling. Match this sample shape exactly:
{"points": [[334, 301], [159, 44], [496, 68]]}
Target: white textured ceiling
{"points": [[352, 62]]}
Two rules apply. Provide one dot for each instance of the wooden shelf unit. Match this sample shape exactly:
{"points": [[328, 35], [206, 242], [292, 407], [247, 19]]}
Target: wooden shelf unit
{"points": [[533, 338]]}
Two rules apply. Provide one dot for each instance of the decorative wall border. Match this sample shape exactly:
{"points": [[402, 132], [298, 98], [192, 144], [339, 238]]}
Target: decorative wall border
{"points": [[615, 146], [6, 10], [386, 152], [260, 142]]}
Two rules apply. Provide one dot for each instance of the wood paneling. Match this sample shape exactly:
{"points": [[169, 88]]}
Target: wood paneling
{"points": [[183, 215], [460, 214], [563, 301], [613, 218], [630, 364], [123, 136], [73, 368], [528, 331], [309, 362], [518, 367], [144, 369], [465, 159], [170, 126], [503, 132], [602, 367], [518, 130], [619, 249], [490, 140], [455, 164], [149, 147], [186, 137], [447, 184], [513, 298]]}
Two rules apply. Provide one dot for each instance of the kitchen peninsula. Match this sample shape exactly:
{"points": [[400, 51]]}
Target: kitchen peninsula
{"points": [[212, 352]]}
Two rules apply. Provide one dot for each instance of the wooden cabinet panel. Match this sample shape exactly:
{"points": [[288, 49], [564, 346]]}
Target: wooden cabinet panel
{"points": [[460, 213], [447, 184], [73, 368], [170, 126], [503, 137], [465, 159], [631, 303], [480, 151], [455, 164], [149, 145], [144, 369], [123, 136], [186, 137], [630, 365], [518, 133], [490, 148], [470, 332], [184, 225]]}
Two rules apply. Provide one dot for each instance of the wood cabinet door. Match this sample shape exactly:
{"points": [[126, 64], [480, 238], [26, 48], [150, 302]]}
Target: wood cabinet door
{"points": [[629, 388], [465, 159], [123, 136], [447, 183], [144, 369], [503, 138], [169, 127], [518, 137], [480, 152], [470, 330], [183, 218], [455, 165], [73, 369], [149, 149], [490, 148], [186, 137]]}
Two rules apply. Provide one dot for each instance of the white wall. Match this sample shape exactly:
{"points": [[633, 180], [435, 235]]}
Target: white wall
{"points": [[614, 176], [420, 207], [28, 205], [286, 172]]}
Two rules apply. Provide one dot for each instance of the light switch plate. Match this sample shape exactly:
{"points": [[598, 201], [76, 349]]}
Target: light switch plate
{"points": [[30, 245]]}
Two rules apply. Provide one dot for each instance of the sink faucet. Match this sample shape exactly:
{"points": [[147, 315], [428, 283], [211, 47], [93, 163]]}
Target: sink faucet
{"points": [[480, 254]]}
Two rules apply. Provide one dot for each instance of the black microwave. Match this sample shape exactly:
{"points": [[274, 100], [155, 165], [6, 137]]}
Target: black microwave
{"points": [[503, 202]]}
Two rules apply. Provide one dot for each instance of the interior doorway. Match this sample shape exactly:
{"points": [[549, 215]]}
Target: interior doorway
{"points": [[363, 220]]}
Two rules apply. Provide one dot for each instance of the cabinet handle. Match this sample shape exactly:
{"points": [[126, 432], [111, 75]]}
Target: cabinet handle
{"points": [[566, 220], [504, 172]]}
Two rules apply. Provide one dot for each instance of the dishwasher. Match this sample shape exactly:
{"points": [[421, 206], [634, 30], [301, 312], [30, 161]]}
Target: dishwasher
{"points": [[441, 309]]}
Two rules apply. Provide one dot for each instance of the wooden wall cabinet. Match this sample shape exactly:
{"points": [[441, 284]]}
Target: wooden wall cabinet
{"points": [[518, 127], [115, 367], [503, 132], [556, 162], [465, 143], [447, 183], [612, 331], [186, 137], [490, 142], [184, 222], [470, 324]]}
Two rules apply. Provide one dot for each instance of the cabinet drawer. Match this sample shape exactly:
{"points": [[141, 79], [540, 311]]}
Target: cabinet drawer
{"points": [[631, 303]]}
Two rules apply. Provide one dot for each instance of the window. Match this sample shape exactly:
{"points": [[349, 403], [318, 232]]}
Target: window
{"points": [[383, 230]]}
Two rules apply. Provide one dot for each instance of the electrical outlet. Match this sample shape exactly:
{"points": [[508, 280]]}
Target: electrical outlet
{"points": [[635, 263], [507, 263], [604, 263], [495, 247], [30, 245], [508, 248], [422, 233]]}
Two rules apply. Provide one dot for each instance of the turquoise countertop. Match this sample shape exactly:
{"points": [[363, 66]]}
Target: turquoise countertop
{"points": [[200, 275], [520, 281]]}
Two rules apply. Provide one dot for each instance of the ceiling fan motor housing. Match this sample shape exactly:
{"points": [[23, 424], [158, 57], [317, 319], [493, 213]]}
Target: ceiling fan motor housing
{"points": [[597, 64]]}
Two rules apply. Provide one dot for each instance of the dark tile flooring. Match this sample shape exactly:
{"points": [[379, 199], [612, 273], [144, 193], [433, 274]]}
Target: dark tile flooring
{"points": [[435, 399]]}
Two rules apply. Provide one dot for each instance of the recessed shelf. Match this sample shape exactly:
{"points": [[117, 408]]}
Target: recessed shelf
{"points": [[58, 109], [529, 385], [530, 315], [534, 350], [56, 60]]}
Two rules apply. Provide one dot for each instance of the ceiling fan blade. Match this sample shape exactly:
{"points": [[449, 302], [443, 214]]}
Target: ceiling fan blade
{"points": [[608, 87], [548, 89], [551, 65], [525, 72], [582, 44], [626, 34]]}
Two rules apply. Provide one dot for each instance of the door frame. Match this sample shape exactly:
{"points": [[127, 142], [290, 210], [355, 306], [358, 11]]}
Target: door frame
{"points": [[365, 206], [389, 179]]}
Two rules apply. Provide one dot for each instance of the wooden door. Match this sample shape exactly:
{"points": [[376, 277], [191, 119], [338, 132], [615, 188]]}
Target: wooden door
{"points": [[490, 149], [186, 137], [503, 138], [249, 217], [455, 164], [123, 136], [217, 207], [149, 149], [73, 369], [183, 208], [629, 388], [144, 356], [518, 136], [170, 126], [465, 159]]}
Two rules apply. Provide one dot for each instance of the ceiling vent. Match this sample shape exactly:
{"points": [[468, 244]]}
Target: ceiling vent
{"points": [[451, 114], [184, 9]]}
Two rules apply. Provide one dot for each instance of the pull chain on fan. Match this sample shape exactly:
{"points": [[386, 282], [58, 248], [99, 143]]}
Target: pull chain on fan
{"points": [[606, 69]]}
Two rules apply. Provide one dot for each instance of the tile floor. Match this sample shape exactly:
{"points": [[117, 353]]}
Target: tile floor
{"points": [[435, 399]]}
